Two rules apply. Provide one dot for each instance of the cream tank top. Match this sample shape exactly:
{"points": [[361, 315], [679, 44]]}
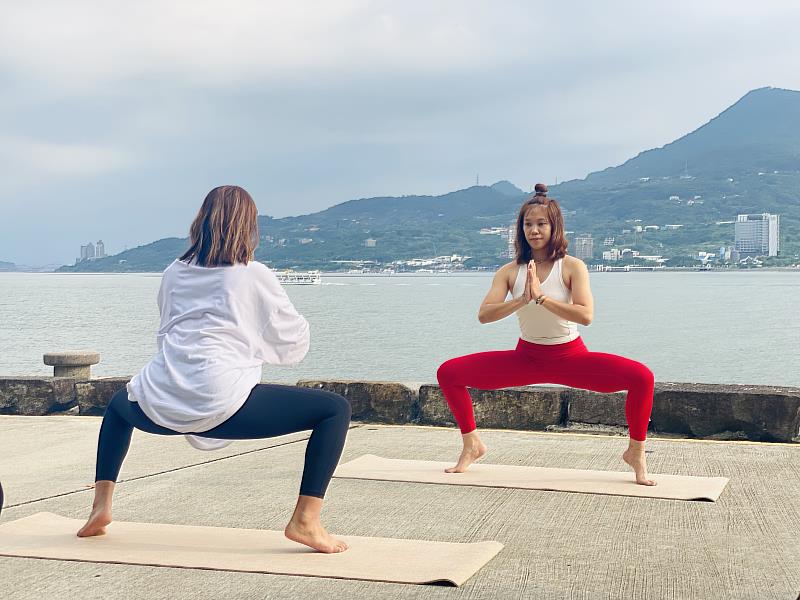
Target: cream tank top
{"points": [[537, 324]]}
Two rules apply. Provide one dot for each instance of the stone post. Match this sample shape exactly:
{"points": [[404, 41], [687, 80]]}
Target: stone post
{"points": [[76, 363]]}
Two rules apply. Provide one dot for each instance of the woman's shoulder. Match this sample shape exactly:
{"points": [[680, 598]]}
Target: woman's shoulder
{"points": [[172, 269], [259, 267], [509, 267], [508, 272], [572, 263], [262, 276]]}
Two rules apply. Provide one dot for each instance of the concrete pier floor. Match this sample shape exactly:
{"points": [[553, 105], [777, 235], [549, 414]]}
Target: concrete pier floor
{"points": [[557, 545]]}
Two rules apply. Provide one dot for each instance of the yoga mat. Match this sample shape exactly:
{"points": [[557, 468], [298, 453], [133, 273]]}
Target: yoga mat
{"points": [[46, 535], [672, 487]]}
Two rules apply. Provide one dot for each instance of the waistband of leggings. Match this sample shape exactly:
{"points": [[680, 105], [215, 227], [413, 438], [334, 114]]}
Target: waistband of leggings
{"points": [[576, 344]]}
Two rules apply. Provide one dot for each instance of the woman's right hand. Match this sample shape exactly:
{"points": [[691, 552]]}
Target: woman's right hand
{"points": [[528, 293]]}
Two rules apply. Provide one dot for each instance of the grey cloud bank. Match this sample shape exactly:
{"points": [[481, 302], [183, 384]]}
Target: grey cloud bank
{"points": [[116, 124]]}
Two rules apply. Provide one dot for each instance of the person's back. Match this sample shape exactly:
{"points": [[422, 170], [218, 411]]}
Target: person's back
{"points": [[218, 326], [223, 315]]}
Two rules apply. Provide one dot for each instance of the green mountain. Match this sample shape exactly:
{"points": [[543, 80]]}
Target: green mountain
{"points": [[150, 257], [746, 160], [507, 188], [761, 132]]}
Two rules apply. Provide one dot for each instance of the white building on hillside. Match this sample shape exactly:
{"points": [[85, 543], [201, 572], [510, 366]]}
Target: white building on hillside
{"points": [[584, 247], [757, 235]]}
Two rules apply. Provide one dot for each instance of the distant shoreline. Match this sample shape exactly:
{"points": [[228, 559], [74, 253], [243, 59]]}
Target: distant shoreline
{"points": [[439, 274]]}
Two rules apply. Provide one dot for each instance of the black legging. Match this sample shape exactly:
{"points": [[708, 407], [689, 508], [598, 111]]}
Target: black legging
{"points": [[269, 411]]}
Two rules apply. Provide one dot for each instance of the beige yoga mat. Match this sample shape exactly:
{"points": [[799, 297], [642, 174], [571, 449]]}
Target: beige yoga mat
{"points": [[673, 487], [46, 535]]}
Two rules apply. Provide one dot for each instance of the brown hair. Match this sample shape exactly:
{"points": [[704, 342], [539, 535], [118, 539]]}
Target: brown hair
{"points": [[557, 246], [225, 230]]}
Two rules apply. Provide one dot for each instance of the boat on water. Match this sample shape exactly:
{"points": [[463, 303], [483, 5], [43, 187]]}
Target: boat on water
{"points": [[290, 277]]}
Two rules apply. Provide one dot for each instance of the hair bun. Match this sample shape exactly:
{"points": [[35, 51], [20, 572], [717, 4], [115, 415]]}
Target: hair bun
{"points": [[540, 189]]}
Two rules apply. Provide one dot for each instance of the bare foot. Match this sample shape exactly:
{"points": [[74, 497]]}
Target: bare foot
{"points": [[314, 536], [96, 525], [474, 449], [636, 459]]}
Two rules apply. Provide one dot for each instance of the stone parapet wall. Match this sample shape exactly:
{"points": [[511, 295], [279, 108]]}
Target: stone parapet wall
{"points": [[33, 396], [374, 402], [758, 413], [36, 395]]}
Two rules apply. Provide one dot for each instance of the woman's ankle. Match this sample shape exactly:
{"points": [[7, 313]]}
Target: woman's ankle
{"points": [[103, 495], [636, 445], [307, 510], [471, 437]]}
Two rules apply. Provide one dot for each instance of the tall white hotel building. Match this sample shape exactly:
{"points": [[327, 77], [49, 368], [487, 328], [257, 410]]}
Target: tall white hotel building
{"points": [[757, 235]]}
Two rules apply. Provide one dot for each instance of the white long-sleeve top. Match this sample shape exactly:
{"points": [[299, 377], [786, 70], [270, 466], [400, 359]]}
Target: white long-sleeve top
{"points": [[219, 325]]}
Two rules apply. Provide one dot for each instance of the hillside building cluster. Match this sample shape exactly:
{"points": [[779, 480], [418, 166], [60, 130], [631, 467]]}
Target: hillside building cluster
{"points": [[755, 236], [92, 251]]}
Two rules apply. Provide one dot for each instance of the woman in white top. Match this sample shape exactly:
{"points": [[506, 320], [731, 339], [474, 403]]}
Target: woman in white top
{"points": [[550, 295], [223, 315]]}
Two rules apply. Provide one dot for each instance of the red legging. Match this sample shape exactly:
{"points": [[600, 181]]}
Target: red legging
{"points": [[569, 364]]}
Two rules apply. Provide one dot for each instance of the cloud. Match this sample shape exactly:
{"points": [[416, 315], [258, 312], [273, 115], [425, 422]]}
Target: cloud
{"points": [[47, 158], [85, 45], [144, 106]]}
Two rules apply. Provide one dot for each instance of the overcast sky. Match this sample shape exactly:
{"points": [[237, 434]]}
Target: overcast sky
{"points": [[116, 118]]}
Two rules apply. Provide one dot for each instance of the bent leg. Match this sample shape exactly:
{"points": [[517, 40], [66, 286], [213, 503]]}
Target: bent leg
{"points": [[273, 410], [606, 373], [484, 370], [120, 418]]}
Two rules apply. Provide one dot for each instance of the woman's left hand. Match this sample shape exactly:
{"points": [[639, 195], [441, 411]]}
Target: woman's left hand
{"points": [[534, 285]]}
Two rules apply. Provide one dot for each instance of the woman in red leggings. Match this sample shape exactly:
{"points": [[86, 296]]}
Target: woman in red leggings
{"points": [[550, 295]]}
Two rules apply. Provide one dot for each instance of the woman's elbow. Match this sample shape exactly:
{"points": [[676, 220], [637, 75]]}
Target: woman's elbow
{"points": [[484, 318], [587, 319]]}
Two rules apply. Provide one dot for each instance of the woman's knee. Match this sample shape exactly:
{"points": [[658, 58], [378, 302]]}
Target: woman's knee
{"points": [[339, 405], [118, 402], [642, 376], [447, 372]]}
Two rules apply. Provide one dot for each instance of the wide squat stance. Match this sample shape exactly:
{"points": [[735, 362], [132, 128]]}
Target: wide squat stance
{"points": [[550, 295], [223, 316]]}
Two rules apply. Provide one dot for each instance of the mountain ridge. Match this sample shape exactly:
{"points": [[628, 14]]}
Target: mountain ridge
{"points": [[744, 160]]}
